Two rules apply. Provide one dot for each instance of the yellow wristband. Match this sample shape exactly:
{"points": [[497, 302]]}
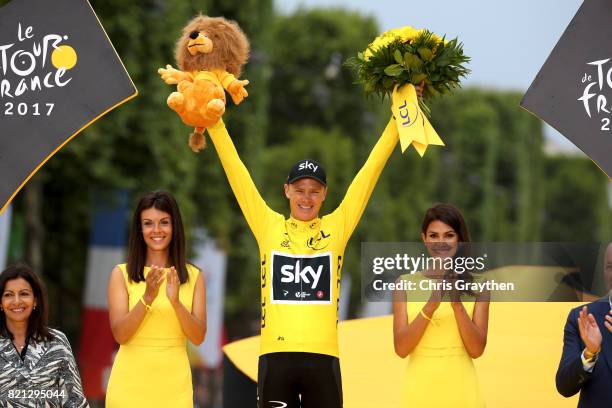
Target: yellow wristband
{"points": [[425, 316], [430, 319], [145, 303]]}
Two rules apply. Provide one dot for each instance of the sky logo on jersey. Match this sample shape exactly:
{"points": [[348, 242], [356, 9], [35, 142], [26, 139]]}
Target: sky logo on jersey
{"points": [[58, 74], [301, 278]]}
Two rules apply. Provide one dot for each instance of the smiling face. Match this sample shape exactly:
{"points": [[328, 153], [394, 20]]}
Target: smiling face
{"points": [[156, 228], [18, 300], [199, 43], [440, 239], [306, 196]]}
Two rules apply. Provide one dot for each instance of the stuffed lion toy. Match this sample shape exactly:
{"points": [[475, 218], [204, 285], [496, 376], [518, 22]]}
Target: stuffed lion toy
{"points": [[210, 55]]}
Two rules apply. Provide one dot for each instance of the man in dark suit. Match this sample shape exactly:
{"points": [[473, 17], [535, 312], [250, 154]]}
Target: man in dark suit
{"points": [[586, 363]]}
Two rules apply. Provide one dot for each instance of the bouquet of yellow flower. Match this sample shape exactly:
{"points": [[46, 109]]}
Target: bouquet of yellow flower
{"points": [[405, 56]]}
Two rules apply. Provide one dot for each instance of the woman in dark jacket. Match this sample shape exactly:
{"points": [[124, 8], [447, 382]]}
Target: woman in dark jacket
{"points": [[37, 367]]}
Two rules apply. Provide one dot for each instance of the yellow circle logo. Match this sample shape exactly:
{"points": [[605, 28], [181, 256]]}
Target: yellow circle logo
{"points": [[64, 56]]}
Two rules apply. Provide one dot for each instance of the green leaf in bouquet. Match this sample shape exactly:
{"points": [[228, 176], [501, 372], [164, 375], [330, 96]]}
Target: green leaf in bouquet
{"points": [[425, 53], [444, 58], [404, 77], [413, 62], [394, 70], [408, 59], [369, 87], [388, 83], [434, 77], [398, 57], [430, 66], [418, 78], [360, 56]]}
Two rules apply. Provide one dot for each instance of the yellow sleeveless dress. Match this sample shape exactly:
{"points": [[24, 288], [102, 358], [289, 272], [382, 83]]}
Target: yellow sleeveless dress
{"points": [[440, 373], [152, 370]]}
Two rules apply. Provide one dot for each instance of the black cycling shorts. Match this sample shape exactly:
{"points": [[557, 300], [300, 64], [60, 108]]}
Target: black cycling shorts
{"points": [[299, 380]]}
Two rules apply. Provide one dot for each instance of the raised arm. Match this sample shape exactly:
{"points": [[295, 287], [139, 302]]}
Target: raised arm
{"points": [[253, 206], [354, 203]]}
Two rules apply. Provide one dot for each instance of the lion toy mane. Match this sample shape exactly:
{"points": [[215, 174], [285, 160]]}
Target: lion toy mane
{"points": [[210, 55]]}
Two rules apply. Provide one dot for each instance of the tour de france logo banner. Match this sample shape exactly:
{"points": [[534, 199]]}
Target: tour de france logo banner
{"points": [[573, 90], [59, 73]]}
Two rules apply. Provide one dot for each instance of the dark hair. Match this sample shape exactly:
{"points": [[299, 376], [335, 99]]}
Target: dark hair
{"points": [[38, 328], [137, 248], [451, 216]]}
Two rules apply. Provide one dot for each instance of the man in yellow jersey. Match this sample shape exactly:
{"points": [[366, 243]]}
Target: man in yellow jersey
{"points": [[301, 262]]}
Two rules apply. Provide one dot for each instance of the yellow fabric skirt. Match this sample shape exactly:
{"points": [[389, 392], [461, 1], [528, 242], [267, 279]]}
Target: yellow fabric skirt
{"points": [[150, 376], [441, 379]]}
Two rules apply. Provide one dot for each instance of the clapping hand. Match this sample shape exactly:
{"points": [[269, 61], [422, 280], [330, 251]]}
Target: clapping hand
{"points": [[434, 299], [172, 286], [153, 281], [589, 331], [454, 294]]}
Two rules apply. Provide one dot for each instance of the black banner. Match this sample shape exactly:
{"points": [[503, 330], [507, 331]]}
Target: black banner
{"points": [[573, 90], [58, 74]]}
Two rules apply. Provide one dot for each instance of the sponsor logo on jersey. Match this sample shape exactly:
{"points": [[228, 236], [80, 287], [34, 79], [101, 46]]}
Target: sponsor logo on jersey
{"points": [[319, 241], [301, 278], [285, 243], [308, 166]]}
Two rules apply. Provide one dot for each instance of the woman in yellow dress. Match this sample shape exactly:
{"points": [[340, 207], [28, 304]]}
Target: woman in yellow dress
{"points": [[156, 302], [445, 333]]}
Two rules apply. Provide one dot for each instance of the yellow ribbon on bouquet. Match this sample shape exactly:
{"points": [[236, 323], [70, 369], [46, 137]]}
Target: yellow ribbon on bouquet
{"points": [[411, 122]]}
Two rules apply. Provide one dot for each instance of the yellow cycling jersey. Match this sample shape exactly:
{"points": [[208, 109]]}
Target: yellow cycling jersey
{"points": [[301, 261]]}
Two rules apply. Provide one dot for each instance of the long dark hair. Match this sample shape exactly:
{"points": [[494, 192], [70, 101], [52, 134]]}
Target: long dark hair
{"points": [[451, 216], [38, 328], [137, 248]]}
